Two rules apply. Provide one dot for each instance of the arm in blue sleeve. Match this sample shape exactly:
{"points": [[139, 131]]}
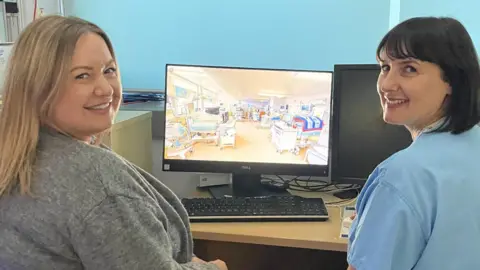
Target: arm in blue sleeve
{"points": [[387, 234]]}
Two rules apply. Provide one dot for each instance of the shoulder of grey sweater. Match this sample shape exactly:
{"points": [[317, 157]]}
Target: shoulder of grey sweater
{"points": [[79, 176]]}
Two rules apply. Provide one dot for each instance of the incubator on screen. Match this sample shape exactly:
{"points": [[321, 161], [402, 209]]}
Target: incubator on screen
{"points": [[247, 115]]}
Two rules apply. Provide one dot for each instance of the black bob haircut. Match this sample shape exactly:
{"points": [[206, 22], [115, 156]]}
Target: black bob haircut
{"points": [[445, 42]]}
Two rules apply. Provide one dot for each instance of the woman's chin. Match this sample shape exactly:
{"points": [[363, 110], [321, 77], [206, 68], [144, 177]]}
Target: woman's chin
{"points": [[392, 120]]}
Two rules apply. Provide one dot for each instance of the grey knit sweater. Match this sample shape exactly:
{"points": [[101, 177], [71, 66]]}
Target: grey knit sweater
{"points": [[92, 209]]}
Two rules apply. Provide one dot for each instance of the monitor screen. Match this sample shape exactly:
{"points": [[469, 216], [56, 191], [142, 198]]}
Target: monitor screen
{"points": [[360, 138], [225, 118]]}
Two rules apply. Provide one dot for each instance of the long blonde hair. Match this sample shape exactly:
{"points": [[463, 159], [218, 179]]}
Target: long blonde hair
{"points": [[36, 73]]}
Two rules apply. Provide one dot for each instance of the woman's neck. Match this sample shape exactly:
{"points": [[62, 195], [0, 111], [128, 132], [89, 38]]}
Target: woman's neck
{"points": [[415, 132], [54, 129]]}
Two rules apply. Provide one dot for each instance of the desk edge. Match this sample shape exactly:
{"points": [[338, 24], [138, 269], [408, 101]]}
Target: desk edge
{"points": [[294, 243]]}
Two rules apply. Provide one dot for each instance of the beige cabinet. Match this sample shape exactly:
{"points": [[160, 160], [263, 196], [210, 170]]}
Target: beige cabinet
{"points": [[131, 137]]}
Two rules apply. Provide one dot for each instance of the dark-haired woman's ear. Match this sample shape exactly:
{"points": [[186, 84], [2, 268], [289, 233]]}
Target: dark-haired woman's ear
{"points": [[449, 89]]}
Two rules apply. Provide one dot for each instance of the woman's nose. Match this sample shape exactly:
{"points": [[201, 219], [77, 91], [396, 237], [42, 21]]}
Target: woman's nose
{"points": [[389, 82], [103, 88]]}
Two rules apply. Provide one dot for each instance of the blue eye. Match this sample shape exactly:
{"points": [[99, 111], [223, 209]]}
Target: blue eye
{"points": [[385, 67], [82, 76], [111, 70], [410, 69]]}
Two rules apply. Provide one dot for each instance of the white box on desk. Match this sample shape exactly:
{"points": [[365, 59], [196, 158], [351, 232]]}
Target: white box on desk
{"points": [[213, 179]]}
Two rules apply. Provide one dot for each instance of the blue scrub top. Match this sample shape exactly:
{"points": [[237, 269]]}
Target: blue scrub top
{"points": [[420, 208]]}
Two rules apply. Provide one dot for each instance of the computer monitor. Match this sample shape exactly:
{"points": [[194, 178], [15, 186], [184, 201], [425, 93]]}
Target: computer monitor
{"points": [[360, 138], [247, 122]]}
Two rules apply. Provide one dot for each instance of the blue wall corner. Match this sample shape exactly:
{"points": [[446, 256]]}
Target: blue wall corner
{"points": [[395, 11]]}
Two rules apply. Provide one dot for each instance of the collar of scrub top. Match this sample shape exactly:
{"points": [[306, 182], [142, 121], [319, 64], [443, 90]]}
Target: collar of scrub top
{"points": [[433, 126]]}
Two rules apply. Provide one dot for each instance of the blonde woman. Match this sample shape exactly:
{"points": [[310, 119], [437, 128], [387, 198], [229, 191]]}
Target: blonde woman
{"points": [[65, 201]]}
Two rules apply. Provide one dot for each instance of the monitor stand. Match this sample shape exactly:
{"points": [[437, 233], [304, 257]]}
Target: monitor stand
{"points": [[246, 185]]}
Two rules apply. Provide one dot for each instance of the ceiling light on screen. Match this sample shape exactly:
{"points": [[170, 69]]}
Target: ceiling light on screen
{"points": [[320, 76], [271, 94]]}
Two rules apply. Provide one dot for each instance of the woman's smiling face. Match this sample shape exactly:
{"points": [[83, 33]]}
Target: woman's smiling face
{"points": [[412, 92]]}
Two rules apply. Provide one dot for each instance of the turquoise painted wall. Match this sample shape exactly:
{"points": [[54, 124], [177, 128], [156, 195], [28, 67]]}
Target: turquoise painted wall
{"points": [[297, 34], [466, 11]]}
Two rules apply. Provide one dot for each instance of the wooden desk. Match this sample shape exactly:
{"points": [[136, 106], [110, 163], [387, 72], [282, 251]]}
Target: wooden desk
{"points": [[275, 245], [131, 137], [311, 235]]}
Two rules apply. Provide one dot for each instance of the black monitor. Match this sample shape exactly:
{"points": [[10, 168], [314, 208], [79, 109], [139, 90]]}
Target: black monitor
{"points": [[360, 138], [247, 122]]}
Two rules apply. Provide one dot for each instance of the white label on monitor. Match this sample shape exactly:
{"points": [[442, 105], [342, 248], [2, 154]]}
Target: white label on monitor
{"points": [[166, 167]]}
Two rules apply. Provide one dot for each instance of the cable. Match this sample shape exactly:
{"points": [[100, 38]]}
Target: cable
{"points": [[35, 9], [308, 185], [341, 203]]}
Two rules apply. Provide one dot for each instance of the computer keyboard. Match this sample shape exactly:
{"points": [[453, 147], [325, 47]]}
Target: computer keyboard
{"points": [[271, 208]]}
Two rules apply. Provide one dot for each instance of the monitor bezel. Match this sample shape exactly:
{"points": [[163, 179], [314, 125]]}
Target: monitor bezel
{"points": [[197, 166], [336, 174]]}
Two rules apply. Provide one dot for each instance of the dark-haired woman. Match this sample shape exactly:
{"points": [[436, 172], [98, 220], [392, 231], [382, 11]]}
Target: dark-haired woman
{"points": [[419, 208]]}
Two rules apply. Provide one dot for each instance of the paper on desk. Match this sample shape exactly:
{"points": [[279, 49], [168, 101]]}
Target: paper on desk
{"points": [[348, 211]]}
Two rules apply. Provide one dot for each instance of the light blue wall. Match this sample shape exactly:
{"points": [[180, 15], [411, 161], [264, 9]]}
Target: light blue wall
{"points": [[297, 34], [467, 11]]}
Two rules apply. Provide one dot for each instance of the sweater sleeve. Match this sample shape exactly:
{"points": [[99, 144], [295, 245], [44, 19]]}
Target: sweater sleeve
{"points": [[126, 233]]}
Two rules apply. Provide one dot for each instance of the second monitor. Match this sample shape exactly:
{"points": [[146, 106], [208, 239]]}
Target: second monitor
{"points": [[244, 120]]}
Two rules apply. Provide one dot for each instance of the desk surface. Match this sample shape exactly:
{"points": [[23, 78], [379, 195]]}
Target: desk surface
{"points": [[323, 235], [125, 118], [127, 115]]}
